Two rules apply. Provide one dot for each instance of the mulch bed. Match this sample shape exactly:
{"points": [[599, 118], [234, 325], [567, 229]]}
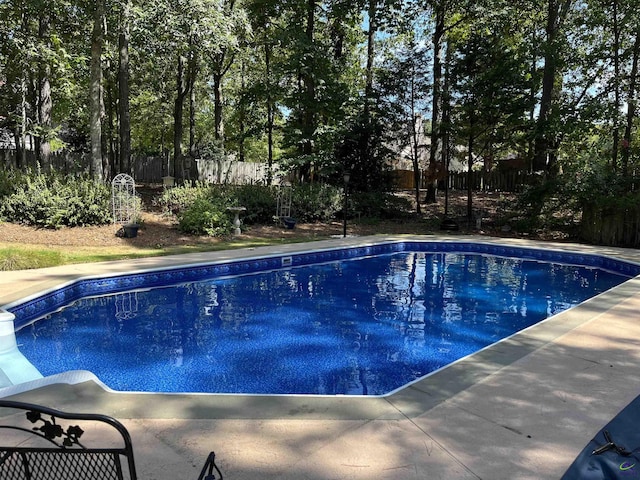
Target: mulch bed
{"points": [[159, 230]]}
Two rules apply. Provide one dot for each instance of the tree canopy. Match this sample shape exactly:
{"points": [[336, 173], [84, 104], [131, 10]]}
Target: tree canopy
{"points": [[325, 86]]}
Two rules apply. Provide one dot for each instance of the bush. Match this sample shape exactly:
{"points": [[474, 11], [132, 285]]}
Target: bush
{"points": [[176, 200], [380, 205], [205, 217], [52, 200], [193, 204], [260, 201], [316, 203], [10, 180], [310, 203]]}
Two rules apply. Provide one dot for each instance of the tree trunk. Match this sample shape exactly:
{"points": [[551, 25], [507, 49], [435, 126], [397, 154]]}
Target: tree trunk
{"points": [[242, 115], [371, 35], [192, 121], [17, 138], [470, 173], [270, 116], [193, 74], [95, 94], [217, 106], [45, 104], [110, 144], [21, 137], [414, 142], [220, 66], [446, 129], [181, 93], [221, 61], [631, 104], [544, 144], [123, 91], [436, 100], [532, 98], [308, 114], [44, 152], [363, 180], [616, 86]]}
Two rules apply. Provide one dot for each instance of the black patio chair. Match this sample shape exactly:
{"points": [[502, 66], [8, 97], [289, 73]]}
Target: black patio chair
{"points": [[47, 450]]}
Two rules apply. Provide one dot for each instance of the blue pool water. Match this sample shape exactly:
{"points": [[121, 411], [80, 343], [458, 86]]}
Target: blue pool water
{"points": [[363, 326]]}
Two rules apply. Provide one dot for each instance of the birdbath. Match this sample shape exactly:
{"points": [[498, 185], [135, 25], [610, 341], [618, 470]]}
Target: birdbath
{"points": [[236, 219]]}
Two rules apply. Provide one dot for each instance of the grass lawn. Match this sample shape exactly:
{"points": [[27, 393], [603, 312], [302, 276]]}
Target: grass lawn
{"points": [[22, 257]]}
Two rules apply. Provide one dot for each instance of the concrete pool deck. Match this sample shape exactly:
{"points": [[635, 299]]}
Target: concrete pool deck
{"points": [[522, 409]]}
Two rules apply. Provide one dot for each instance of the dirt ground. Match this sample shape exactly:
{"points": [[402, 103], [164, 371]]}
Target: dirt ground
{"points": [[159, 230]]}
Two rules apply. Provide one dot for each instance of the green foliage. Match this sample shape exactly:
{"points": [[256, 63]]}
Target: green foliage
{"points": [[590, 183], [380, 205], [309, 203], [53, 200], [20, 259], [9, 181], [176, 200], [536, 194], [316, 203], [260, 201], [302, 70], [605, 189], [544, 204], [364, 151], [204, 217]]}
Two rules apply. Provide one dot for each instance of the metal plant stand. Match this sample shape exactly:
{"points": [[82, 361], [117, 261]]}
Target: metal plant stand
{"points": [[283, 207], [125, 204]]}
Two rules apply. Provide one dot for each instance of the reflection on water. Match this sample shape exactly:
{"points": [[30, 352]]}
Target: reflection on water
{"points": [[363, 327]]}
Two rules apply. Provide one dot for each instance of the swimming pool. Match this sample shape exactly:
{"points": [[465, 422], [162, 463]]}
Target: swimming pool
{"points": [[422, 260]]}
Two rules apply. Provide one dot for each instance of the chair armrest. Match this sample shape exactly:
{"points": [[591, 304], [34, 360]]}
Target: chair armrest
{"points": [[207, 472]]}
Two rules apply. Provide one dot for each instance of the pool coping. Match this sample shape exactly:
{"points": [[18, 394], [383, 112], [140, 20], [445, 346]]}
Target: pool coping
{"points": [[522, 409], [30, 309], [406, 402]]}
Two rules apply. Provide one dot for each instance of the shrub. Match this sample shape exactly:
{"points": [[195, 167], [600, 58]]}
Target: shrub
{"points": [[178, 199], [204, 217], [310, 203], [260, 201], [10, 180], [316, 203], [52, 200], [380, 205]]}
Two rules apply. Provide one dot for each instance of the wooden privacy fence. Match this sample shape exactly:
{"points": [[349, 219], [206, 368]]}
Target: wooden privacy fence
{"points": [[235, 173], [494, 181], [145, 170], [64, 162], [149, 169], [616, 226], [153, 169]]}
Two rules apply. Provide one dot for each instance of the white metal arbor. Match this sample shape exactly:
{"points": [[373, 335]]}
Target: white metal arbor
{"points": [[283, 201], [283, 207], [123, 195]]}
